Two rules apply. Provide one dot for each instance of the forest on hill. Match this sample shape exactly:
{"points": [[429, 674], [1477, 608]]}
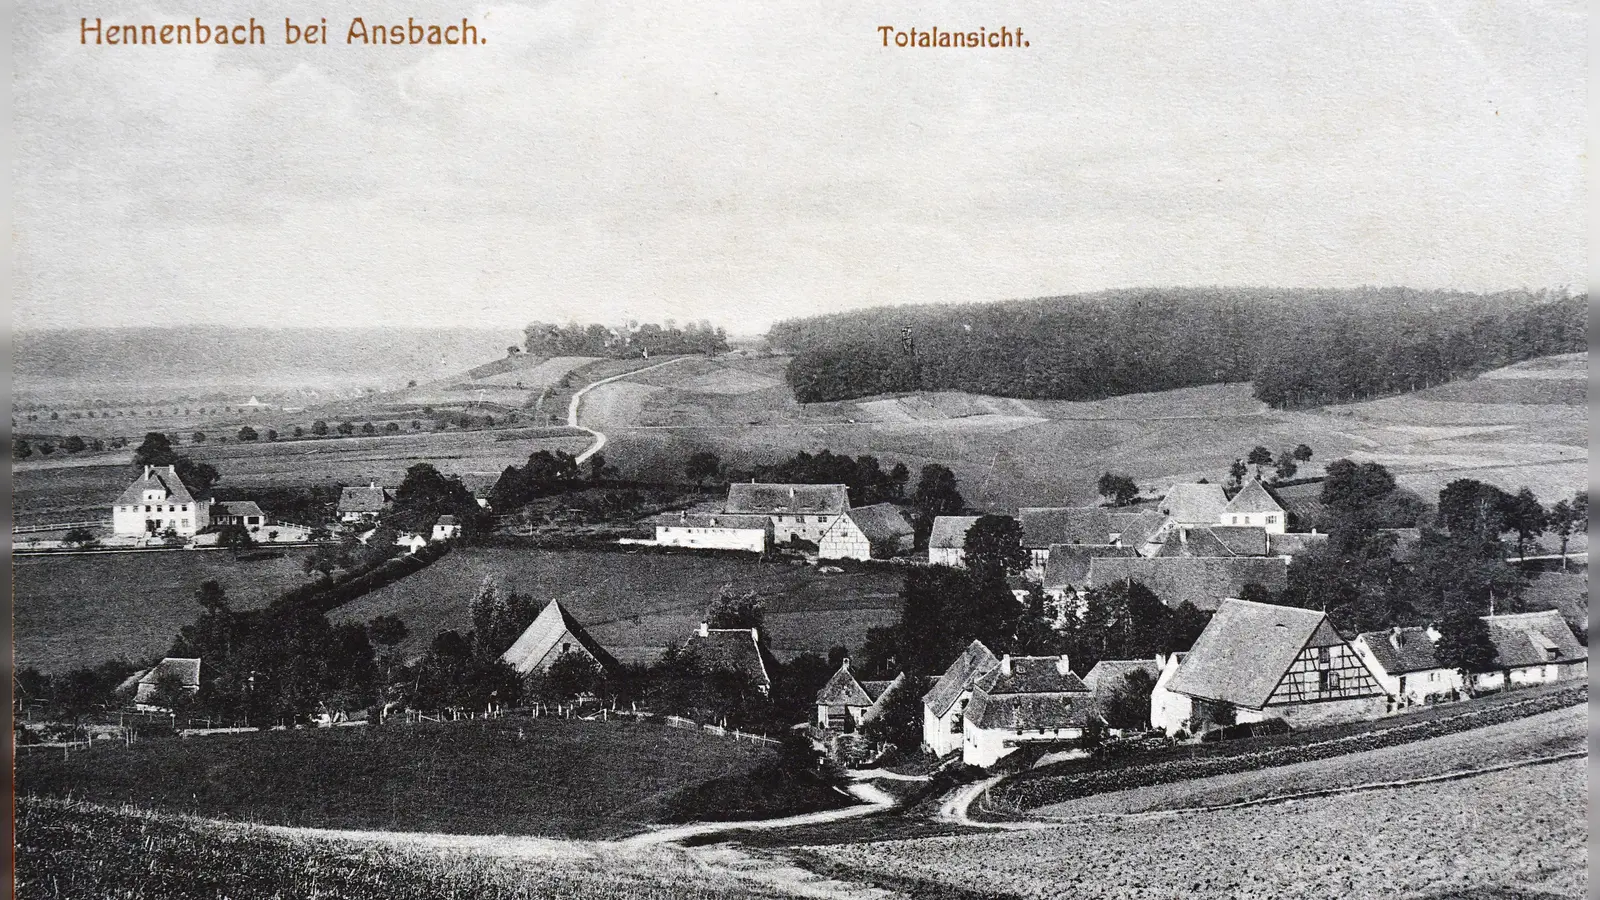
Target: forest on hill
{"points": [[1299, 347]]}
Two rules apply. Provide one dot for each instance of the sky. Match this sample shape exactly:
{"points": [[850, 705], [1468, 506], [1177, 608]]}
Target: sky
{"points": [[749, 162]]}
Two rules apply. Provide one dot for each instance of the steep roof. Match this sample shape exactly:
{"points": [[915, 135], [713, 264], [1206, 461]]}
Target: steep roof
{"points": [[843, 690], [733, 521], [1194, 541], [1303, 503], [539, 644], [1253, 498], [364, 499], [882, 692], [974, 662], [1030, 712], [1203, 581], [1136, 529], [881, 522], [481, 484], [1294, 543], [1243, 540], [1401, 650], [1532, 639], [950, 532], [788, 499], [1034, 675], [1194, 504], [1244, 652], [447, 521], [730, 650], [185, 668], [162, 478], [1043, 526], [1108, 673], [1068, 565]]}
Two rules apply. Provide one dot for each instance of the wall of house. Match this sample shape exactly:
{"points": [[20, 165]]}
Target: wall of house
{"points": [[184, 518], [986, 746], [750, 539], [1169, 711], [807, 528], [836, 717], [1273, 522], [942, 734], [845, 540], [1529, 675], [1333, 671], [946, 556]]}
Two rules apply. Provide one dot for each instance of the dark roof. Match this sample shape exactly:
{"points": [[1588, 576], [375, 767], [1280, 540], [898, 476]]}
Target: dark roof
{"points": [[881, 522], [1526, 639], [1034, 675], [1068, 565], [1401, 650], [481, 484], [1030, 712], [973, 663], [162, 478], [844, 690], [536, 646], [882, 691], [1108, 673], [1294, 543], [1043, 526], [185, 668], [364, 499], [730, 650], [236, 508], [1243, 540], [787, 499], [1205, 582], [447, 520], [1194, 504], [875, 689], [1195, 541], [1136, 529], [950, 532], [1303, 502], [1253, 498], [1244, 652]]}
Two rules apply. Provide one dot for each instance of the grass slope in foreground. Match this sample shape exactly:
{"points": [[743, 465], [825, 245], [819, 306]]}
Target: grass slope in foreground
{"points": [[546, 777]]}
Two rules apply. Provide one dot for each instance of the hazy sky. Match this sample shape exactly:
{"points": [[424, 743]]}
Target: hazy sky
{"points": [[750, 161]]}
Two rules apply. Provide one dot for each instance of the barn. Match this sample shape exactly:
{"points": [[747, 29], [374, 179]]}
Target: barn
{"points": [[867, 532]]}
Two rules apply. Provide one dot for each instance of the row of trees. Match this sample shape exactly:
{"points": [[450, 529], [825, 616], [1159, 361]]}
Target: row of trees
{"points": [[544, 475], [1302, 347], [22, 448], [631, 340]]}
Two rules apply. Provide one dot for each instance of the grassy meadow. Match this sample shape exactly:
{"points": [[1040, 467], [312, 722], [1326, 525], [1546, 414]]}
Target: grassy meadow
{"points": [[79, 610], [637, 604]]}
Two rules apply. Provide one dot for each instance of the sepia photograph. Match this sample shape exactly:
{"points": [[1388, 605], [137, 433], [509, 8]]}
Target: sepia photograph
{"points": [[835, 450]]}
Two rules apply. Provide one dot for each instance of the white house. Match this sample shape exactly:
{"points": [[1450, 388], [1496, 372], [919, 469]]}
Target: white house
{"points": [[1169, 711], [946, 702], [448, 528], [947, 541], [156, 502], [1025, 700], [1259, 661], [846, 703], [244, 513], [714, 531], [181, 671], [554, 632], [364, 504], [1254, 507], [804, 511], [1533, 648], [867, 532], [1403, 661]]}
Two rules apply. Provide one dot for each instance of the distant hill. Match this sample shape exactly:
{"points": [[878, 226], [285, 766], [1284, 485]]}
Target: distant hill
{"points": [[140, 361]]}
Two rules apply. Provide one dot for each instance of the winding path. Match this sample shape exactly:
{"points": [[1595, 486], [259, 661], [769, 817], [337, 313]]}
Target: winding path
{"points": [[577, 400], [874, 800]]}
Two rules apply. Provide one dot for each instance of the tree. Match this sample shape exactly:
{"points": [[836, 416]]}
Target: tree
{"points": [[1259, 457], [1468, 506], [272, 435], [319, 427], [171, 694], [368, 428], [74, 444], [1237, 472], [598, 470], [1464, 644], [1119, 489], [702, 466], [1349, 487], [572, 675], [1285, 466], [499, 616], [155, 450], [736, 609], [936, 495], [1127, 707], [1302, 453], [1567, 519], [199, 437], [993, 548], [391, 427], [235, 537], [346, 428], [81, 537], [1524, 516], [248, 434], [387, 631], [424, 495], [899, 719], [21, 449]]}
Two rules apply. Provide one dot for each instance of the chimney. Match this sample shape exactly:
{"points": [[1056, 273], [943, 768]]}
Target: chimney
{"points": [[1161, 662], [845, 665], [705, 629], [1005, 664], [148, 470], [1433, 634], [1396, 638], [1062, 667]]}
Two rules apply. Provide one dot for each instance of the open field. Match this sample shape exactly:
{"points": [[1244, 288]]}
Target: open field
{"points": [[80, 610], [515, 776], [637, 604], [1518, 833], [82, 850]]}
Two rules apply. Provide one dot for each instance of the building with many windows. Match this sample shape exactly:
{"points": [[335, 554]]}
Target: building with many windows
{"points": [[158, 502]]}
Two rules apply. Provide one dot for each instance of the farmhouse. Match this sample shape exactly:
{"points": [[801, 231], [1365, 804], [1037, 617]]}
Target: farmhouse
{"points": [[1533, 648], [1046, 526], [1026, 699], [554, 632], [733, 650], [238, 512], [945, 703], [183, 672], [845, 703], [804, 511], [947, 542], [156, 502], [447, 528], [1169, 711], [1194, 504], [1067, 571], [714, 531], [867, 532], [364, 504], [1403, 661], [1202, 581], [1254, 507], [1259, 661]]}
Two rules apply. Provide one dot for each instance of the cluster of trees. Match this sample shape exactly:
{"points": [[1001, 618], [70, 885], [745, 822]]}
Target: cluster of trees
{"points": [[425, 494], [1285, 465], [157, 450], [1301, 347], [545, 474], [633, 339], [22, 448]]}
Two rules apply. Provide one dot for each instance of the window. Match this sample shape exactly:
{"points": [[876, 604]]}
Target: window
{"points": [[1327, 680], [147, 509], [1271, 519], [1322, 655]]}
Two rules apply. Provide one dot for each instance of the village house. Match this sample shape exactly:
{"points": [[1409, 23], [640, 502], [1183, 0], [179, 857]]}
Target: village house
{"points": [[1259, 661], [244, 513], [867, 532], [846, 703], [1025, 700], [1201, 581], [157, 502], [803, 511], [1254, 507], [1109, 674], [733, 650], [553, 633], [448, 528], [1044, 527], [364, 504], [183, 672], [1194, 504], [946, 702], [714, 531], [1403, 661], [947, 541], [1533, 648], [1169, 711], [1066, 574], [481, 485]]}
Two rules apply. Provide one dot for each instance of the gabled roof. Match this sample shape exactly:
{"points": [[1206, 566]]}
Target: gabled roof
{"points": [[1528, 639], [1294, 543], [365, 499], [1068, 565], [1253, 498], [236, 508], [1244, 540], [950, 532], [1401, 650], [1133, 530], [447, 521], [1245, 651], [1303, 502], [1043, 526], [882, 691], [1200, 580], [1030, 712], [1034, 675], [162, 478], [1195, 541], [481, 484], [876, 689], [1107, 674], [788, 499], [730, 521], [974, 662], [1194, 504], [881, 522], [540, 643], [730, 650], [843, 690], [185, 668]]}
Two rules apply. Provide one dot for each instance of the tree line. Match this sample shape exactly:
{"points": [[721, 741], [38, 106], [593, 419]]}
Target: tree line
{"points": [[1299, 347], [632, 340]]}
